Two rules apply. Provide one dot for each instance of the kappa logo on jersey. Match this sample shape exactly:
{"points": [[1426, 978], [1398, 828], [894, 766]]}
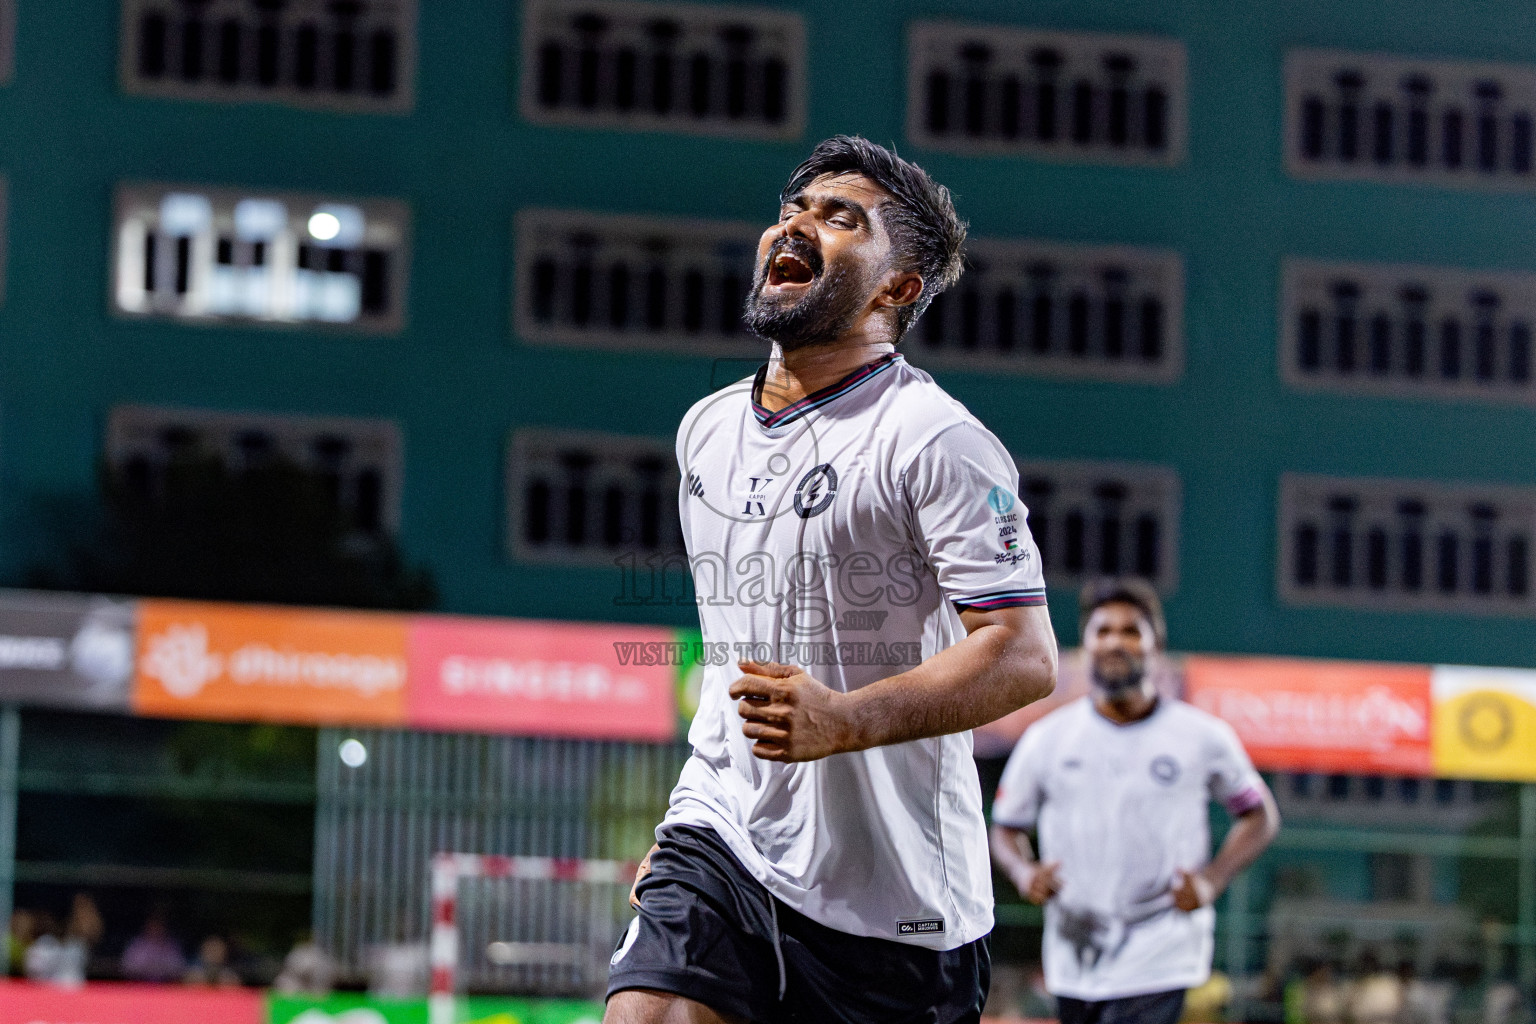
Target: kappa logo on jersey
{"points": [[757, 493], [1165, 769], [695, 485], [816, 491]]}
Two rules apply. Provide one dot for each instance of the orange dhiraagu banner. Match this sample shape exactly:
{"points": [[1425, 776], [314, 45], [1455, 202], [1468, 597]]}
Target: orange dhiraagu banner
{"points": [[1295, 714], [1485, 723], [302, 665]]}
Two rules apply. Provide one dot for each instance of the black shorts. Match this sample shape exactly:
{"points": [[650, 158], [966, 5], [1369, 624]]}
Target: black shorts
{"points": [[1152, 1008], [707, 929]]}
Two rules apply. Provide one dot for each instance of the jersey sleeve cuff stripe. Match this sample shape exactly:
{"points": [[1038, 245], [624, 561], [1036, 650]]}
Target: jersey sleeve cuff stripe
{"points": [[1245, 801], [1004, 599]]}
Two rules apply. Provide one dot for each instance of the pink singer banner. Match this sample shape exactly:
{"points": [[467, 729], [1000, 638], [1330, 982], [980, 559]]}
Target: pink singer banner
{"points": [[22, 1003], [539, 678]]}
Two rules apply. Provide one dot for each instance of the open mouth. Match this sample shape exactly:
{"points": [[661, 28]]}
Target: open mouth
{"points": [[787, 268]]}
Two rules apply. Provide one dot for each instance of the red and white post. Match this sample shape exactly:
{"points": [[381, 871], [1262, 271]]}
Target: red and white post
{"points": [[448, 869]]}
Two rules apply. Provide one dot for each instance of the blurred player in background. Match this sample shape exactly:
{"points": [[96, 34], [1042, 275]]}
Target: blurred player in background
{"points": [[860, 554], [1118, 785]]}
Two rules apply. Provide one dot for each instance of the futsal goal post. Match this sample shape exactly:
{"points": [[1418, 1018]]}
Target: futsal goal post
{"points": [[534, 924]]}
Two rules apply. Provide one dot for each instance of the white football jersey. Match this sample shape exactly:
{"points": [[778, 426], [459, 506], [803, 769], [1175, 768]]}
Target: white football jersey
{"points": [[1122, 807], [840, 535]]}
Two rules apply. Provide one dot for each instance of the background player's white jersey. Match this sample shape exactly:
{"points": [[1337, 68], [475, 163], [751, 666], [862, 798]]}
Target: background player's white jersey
{"points": [[838, 535], [1122, 807]]}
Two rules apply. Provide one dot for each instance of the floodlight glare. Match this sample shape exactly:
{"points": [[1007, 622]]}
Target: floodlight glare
{"points": [[324, 226]]}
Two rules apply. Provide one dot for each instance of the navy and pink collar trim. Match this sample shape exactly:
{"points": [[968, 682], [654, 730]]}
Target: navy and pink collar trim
{"points": [[819, 398]]}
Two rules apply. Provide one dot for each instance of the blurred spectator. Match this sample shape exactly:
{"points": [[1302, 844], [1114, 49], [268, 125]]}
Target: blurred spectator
{"points": [[398, 970], [212, 966], [85, 921], [1502, 1004], [85, 927], [153, 955], [1424, 1001], [1293, 999], [54, 958], [1376, 997], [307, 969], [23, 932], [1324, 998]]}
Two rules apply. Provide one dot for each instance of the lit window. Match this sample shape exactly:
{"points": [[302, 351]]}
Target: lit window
{"points": [[357, 461], [1406, 120], [1406, 544], [214, 255], [1056, 95], [715, 70], [358, 55], [1103, 519]]}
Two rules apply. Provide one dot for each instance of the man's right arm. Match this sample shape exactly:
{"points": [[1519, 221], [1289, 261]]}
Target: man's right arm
{"points": [[1019, 800], [1014, 853]]}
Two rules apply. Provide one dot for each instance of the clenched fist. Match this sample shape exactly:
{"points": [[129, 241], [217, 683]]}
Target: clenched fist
{"points": [[1039, 882], [788, 715], [1192, 890]]}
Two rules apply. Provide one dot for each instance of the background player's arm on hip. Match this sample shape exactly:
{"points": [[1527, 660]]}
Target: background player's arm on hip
{"points": [[1007, 659], [1013, 852], [1250, 834]]}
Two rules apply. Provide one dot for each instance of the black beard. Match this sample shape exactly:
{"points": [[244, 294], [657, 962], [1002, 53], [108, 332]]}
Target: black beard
{"points": [[827, 309], [1118, 686]]}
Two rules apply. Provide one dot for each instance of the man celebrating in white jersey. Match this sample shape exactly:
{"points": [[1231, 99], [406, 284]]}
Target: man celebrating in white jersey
{"points": [[1118, 785], [868, 592]]}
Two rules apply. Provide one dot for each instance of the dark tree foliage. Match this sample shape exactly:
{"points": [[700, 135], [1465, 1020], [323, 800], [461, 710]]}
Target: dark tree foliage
{"points": [[273, 533], [197, 528]]}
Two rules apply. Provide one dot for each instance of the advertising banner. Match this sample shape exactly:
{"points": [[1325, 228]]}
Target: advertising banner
{"points": [[537, 678], [1485, 723], [65, 650], [245, 662], [1295, 714], [358, 1009], [23, 1003]]}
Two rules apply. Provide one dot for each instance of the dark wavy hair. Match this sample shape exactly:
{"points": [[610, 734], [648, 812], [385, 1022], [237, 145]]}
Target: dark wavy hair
{"points": [[1130, 590], [926, 234]]}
